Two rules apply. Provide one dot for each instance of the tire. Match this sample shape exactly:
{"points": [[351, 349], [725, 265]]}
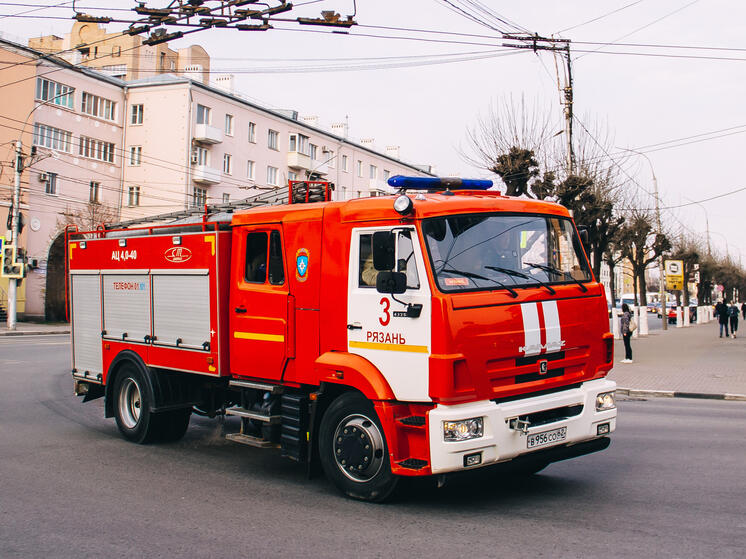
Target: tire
{"points": [[173, 425], [132, 404], [353, 449]]}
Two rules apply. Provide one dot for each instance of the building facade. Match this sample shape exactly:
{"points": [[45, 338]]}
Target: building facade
{"points": [[109, 150]]}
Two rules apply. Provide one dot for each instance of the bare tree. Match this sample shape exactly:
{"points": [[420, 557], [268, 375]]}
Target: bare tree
{"points": [[641, 245], [89, 217]]}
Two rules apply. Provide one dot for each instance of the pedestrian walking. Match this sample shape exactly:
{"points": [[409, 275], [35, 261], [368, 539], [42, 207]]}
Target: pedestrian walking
{"points": [[721, 311], [743, 310], [626, 322], [733, 315]]}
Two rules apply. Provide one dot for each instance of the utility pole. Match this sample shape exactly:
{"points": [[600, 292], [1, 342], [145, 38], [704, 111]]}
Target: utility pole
{"points": [[562, 46], [14, 233]]}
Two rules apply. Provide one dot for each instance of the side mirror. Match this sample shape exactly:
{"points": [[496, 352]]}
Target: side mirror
{"points": [[585, 239], [391, 282], [384, 251]]}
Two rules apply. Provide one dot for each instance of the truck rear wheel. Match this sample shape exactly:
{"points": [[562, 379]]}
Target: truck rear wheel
{"points": [[132, 406], [353, 450]]}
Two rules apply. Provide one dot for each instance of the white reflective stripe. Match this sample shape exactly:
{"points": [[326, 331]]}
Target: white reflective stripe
{"points": [[531, 331], [552, 324]]}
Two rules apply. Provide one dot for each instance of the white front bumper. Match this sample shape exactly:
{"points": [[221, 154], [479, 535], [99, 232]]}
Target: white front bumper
{"points": [[500, 443]]}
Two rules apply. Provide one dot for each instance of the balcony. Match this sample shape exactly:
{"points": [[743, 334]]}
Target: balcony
{"points": [[207, 134], [206, 175], [382, 186], [297, 160]]}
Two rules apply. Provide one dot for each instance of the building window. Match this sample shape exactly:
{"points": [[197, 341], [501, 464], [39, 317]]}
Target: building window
{"points": [[96, 149], [373, 171], [229, 125], [344, 163], [252, 132], [227, 163], [201, 156], [203, 114], [200, 196], [330, 159], [54, 93], [95, 193], [359, 168], [298, 143], [54, 138], [272, 176], [313, 151], [292, 176], [98, 106], [133, 196], [116, 51], [136, 114], [135, 155], [386, 174], [51, 185], [226, 198], [250, 169], [273, 139]]}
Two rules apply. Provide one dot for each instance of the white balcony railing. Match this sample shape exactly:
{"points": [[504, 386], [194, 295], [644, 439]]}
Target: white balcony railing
{"points": [[208, 134], [297, 160], [206, 175]]}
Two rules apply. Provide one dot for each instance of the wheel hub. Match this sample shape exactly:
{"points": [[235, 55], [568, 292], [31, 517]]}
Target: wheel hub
{"points": [[130, 403], [358, 448]]}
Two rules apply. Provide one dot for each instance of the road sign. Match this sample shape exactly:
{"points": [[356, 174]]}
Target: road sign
{"points": [[674, 275]]}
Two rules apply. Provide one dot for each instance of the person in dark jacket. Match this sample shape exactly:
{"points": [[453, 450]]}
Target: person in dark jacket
{"points": [[721, 311], [733, 316], [626, 334], [743, 310]]}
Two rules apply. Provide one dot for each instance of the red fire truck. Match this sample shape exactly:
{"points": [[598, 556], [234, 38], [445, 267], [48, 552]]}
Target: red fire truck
{"points": [[439, 330]]}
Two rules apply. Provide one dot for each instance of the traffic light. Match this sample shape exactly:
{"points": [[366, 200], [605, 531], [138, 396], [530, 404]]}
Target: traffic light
{"points": [[11, 269]]}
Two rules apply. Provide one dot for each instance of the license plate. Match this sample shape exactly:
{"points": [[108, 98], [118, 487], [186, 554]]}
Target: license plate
{"points": [[547, 437]]}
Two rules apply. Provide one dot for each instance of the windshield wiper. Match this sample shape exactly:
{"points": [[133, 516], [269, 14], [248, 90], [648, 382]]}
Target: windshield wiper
{"points": [[471, 275], [517, 274], [557, 272]]}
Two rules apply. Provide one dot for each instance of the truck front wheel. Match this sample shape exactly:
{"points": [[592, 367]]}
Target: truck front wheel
{"points": [[132, 406], [353, 450]]}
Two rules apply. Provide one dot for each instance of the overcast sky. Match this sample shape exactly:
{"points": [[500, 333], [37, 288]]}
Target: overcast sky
{"points": [[427, 108]]}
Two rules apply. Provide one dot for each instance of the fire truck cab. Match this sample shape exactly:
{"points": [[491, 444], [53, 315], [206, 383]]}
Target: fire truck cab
{"points": [[380, 338]]}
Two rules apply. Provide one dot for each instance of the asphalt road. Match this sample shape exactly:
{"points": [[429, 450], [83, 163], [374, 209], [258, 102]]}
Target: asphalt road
{"points": [[671, 485]]}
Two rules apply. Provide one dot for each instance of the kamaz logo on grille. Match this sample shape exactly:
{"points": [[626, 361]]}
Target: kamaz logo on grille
{"points": [[177, 255], [543, 367]]}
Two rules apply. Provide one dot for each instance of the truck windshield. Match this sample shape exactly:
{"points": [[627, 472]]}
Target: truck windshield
{"points": [[481, 252]]}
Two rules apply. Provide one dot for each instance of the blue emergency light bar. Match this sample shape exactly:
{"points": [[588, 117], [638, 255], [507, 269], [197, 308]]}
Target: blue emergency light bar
{"points": [[438, 183]]}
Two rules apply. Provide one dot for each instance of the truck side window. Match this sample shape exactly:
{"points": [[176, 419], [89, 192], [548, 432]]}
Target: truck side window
{"points": [[276, 271], [367, 274], [256, 257], [405, 259]]}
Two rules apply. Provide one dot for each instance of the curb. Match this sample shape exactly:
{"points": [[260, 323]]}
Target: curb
{"points": [[34, 332], [676, 394]]}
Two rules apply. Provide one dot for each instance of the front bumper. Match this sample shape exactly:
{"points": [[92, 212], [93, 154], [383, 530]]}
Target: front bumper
{"points": [[500, 443]]}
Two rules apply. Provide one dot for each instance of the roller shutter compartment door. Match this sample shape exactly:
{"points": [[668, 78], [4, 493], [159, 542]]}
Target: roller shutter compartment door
{"points": [[86, 312], [181, 310]]}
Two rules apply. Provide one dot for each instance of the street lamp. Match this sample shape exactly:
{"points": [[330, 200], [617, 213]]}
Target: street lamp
{"points": [[661, 285]]}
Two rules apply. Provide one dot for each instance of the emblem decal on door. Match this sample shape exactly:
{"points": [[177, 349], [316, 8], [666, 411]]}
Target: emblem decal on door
{"points": [[301, 264], [177, 255]]}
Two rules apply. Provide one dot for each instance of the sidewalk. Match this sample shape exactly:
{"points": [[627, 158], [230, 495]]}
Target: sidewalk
{"points": [[35, 328], [690, 361]]}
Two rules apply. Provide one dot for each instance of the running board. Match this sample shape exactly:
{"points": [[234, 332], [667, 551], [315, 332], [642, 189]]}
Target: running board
{"points": [[251, 441], [242, 412], [272, 388]]}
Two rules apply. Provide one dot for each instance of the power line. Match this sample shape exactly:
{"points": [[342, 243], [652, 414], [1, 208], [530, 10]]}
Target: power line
{"points": [[599, 17]]}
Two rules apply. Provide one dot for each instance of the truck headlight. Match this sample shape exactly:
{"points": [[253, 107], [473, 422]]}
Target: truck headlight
{"points": [[605, 401], [464, 429]]}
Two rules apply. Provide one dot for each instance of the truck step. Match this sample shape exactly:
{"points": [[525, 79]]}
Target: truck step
{"points": [[413, 463], [295, 425], [251, 441], [413, 420], [248, 414], [272, 388]]}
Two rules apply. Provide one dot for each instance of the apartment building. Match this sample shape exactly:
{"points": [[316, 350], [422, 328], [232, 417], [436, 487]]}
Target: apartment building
{"points": [[106, 149]]}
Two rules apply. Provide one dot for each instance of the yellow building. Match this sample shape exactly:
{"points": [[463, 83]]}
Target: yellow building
{"points": [[122, 56]]}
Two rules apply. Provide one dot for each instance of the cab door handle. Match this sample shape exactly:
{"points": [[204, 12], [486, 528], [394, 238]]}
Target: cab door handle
{"points": [[240, 309], [355, 326]]}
